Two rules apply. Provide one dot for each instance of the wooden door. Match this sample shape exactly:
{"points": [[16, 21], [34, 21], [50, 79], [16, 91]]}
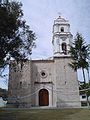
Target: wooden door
{"points": [[43, 97]]}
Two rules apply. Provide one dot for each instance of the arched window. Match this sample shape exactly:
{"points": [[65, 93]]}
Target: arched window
{"points": [[64, 48], [62, 29], [20, 84]]}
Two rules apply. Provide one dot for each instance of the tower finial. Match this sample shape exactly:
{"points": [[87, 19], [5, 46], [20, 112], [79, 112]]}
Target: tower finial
{"points": [[59, 13]]}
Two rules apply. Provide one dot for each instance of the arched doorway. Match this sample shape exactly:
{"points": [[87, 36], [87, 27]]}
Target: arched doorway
{"points": [[43, 97]]}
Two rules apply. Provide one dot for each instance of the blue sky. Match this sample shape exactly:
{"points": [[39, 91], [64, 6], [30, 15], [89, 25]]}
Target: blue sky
{"points": [[40, 15]]}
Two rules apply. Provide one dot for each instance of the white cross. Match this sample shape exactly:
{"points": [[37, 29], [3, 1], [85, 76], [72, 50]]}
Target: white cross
{"points": [[59, 13]]}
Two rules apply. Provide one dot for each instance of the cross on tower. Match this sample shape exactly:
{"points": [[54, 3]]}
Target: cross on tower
{"points": [[59, 13]]}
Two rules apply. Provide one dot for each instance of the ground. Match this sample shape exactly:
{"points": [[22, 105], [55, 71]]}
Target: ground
{"points": [[44, 114]]}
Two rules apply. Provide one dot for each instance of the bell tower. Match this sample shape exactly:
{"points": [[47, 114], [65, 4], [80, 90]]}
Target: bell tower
{"points": [[62, 37]]}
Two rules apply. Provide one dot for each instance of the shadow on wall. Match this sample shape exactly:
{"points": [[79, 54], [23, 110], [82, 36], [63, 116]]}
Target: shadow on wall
{"points": [[2, 102]]}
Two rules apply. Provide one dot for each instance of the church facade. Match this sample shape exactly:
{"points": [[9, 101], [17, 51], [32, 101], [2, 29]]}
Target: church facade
{"points": [[50, 82]]}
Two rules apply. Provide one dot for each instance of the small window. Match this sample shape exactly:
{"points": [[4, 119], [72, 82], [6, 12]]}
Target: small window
{"points": [[62, 29], [43, 74], [83, 103], [83, 96], [20, 83]]}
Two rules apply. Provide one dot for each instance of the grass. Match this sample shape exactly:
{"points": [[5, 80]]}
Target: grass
{"points": [[44, 114]]}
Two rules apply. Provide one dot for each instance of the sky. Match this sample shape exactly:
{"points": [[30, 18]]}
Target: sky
{"points": [[40, 16]]}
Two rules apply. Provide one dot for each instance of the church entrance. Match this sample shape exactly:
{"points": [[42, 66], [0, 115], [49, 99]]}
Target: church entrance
{"points": [[43, 97]]}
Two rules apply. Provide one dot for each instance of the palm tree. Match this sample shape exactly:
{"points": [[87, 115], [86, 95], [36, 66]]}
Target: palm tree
{"points": [[79, 53]]}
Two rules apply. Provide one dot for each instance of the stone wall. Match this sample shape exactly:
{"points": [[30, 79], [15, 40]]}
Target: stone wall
{"points": [[20, 83], [40, 81], [66, 83], [27, 78]]}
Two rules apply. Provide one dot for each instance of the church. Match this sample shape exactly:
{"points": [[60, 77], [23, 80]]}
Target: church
{"points": [[50, 82]]}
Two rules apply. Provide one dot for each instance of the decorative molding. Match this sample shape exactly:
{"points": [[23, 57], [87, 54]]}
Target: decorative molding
{"points": [[43, 74]]}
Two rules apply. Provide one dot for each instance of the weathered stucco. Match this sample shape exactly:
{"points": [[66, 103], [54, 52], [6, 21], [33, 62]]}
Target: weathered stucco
{"points": [[46, 82], [60, 81]]}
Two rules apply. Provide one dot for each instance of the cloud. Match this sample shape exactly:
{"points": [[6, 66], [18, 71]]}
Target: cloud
{"points": [[40, 15]]}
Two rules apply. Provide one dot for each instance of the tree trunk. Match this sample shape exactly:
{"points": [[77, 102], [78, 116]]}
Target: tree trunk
{"points": [[88, 75], [87, 101], [83, 75]]}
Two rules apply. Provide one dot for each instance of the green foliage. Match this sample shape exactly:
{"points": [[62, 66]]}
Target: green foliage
{"points": [[85, 85], [85, 88], [80, 53], [16, 38]]}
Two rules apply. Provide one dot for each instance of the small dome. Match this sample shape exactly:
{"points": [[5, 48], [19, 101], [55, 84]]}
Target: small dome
{"points": [[60, 20]]}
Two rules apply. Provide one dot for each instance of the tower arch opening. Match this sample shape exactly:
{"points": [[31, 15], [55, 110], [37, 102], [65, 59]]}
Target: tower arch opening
{"points": [[64, 48], [62, 29]]}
